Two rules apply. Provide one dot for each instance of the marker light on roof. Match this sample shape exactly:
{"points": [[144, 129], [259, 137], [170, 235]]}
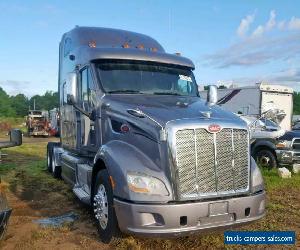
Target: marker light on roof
{"points": [[125, 46], [140, 46], [153, 49]]}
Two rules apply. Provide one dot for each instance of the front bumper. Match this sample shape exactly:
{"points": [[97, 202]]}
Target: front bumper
{"points": [[287, 157], [4, 217], [167, 220]]}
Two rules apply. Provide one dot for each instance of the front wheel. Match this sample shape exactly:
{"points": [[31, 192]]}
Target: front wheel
{"points": [[103, 208], [266, 159]]}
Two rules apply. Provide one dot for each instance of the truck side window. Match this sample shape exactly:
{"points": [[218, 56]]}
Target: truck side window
{"points": [[84, 85], [88, 93], [92, 91]]}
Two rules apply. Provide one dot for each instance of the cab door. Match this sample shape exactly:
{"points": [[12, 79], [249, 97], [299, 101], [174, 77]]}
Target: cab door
{"points": [[86, 138]]}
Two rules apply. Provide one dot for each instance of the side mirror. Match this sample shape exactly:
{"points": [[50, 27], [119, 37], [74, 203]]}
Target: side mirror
{"points": [[212, 95], [72, 88], [16, 137], [71, 99]]}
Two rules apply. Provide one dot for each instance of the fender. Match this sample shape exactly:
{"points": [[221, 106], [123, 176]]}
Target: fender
{"points": [[120, 158], [262, 142]]}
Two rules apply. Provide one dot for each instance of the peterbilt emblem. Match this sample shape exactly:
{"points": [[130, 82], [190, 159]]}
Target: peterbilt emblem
{"points": [[214, 128]]}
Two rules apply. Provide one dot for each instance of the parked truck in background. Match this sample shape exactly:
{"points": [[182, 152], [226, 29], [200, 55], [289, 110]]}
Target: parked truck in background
{"points": [[37, 123], [140, 146], [271, 106], [257, 100], [5, 211]]}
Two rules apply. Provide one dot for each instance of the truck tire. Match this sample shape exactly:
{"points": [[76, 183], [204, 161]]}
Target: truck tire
{"points": [[51, 167], [266, 158], [104, 212]]}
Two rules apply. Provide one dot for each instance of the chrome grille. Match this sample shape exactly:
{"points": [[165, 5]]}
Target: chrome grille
{"points": [[211, 164]]}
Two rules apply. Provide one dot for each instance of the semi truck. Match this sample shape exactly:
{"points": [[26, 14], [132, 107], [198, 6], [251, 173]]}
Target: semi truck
{"points": [[140, 146], [5, 211], [37, 123]]}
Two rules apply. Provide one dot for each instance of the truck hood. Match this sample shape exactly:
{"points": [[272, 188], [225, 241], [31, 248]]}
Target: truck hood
{"points": [[290, 135], [164, 108]]}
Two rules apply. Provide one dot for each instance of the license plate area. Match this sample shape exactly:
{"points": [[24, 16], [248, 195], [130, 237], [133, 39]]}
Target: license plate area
{"points": [[218, 208]]}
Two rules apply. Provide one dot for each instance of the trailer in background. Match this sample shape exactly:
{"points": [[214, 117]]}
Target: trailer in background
{"points": [[258, 99]]}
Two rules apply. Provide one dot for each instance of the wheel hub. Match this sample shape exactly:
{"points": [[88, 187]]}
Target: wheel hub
{"points": [[101, 206], [265, 160]]}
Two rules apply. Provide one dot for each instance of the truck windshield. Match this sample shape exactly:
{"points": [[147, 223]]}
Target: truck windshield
{"points": [[132, 78]]}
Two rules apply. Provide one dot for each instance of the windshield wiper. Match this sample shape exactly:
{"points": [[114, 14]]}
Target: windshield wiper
{"points": [[129, 91], [167, 93]]}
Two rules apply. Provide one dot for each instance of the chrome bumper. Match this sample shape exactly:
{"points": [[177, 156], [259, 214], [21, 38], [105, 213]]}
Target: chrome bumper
{"points": [[167, 220], [285, 157]]}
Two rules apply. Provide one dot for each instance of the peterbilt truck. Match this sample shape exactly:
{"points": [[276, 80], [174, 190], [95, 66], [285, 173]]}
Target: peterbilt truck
{"points": [[140, 146]]}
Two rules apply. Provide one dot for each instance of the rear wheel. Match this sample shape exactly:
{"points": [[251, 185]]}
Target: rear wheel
{"points": [[51, 164], [103, 208], [49, 157], [266, 159]]}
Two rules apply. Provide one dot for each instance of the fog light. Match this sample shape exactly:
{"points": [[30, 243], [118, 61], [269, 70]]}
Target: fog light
{"points": [[261, 208]]}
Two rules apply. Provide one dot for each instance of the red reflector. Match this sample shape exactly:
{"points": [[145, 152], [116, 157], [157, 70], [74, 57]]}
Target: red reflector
{"points": [[124, 128]]}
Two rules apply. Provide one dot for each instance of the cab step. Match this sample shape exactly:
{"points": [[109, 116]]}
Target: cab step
{"points": [[82, 195]]}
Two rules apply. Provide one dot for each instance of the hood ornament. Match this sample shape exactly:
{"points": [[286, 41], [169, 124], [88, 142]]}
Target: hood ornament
{"points": [[207, 114]]}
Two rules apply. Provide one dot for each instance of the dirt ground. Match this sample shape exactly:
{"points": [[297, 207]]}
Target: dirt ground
{"points": [[34, 194]]}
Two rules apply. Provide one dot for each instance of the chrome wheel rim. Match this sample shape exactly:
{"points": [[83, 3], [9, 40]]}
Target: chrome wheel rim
{"points": [[48, 159], [53, 165], [101, 206], [265, 161]]}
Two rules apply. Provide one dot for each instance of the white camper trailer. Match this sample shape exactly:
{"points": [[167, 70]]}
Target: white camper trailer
{"points": [[258, 99]]}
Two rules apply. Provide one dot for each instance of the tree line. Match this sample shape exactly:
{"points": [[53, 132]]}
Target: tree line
{"points": [[18, 105]]}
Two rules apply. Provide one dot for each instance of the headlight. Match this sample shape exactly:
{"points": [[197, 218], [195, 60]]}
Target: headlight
{"points": [[257, 181], [283, 144], [145, 184]]}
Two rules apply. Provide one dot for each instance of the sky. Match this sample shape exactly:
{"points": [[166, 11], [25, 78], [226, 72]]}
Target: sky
{"points": [[240, 42]]}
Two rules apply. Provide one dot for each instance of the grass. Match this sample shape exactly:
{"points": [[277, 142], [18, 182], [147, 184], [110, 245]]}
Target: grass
{"points": [[24, 171], [273, 181]]}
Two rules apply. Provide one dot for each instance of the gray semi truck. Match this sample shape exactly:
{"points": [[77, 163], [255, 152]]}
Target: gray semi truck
{"points": [[140, 146]]}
